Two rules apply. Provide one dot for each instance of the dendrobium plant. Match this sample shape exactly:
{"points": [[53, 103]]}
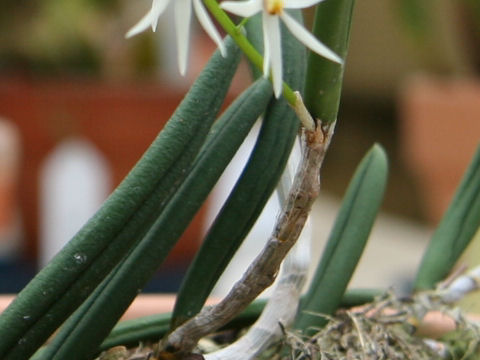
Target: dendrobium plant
{"points": [[72, 308], [273, 11]]}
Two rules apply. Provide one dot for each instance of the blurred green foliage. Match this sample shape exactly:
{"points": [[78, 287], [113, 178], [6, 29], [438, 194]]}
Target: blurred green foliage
{"points": [[76, 36], [416, 18], [425, 25]]}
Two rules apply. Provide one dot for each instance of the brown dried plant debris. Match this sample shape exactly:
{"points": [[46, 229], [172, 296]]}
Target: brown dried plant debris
{"points": [[383, 330], [386, 330], [142, 352]]}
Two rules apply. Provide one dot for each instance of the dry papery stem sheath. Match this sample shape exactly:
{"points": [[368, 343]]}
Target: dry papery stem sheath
{"points": [[264, 268]]}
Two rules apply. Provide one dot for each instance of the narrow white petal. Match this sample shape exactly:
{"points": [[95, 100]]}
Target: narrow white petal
{"points": [[299, 4], [208, 26], [158, 7], [266, 45], [272, 30], [150, 19], [243, 8], [141, 26], [183, 14], [310, 41]]}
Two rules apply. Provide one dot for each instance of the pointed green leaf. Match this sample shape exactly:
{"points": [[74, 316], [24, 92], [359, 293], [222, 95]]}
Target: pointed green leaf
{"points": [[250, 194], [84, 332], [455, 231], [123, 219], [347, 240]]}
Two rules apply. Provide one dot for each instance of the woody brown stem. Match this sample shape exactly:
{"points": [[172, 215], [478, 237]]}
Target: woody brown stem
{"points": [[263, 270]]}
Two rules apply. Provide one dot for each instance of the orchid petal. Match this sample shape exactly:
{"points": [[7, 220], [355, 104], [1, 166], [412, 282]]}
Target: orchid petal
{"points": [[266, 46], [183, 14], [271, 26], [150, 19], [243, 8], [158, 7], [299, 4], [310, 41], [208, 26]]}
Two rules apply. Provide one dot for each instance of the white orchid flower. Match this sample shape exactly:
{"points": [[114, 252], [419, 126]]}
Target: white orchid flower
{"points": [[183, 13], [272, 13]]}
